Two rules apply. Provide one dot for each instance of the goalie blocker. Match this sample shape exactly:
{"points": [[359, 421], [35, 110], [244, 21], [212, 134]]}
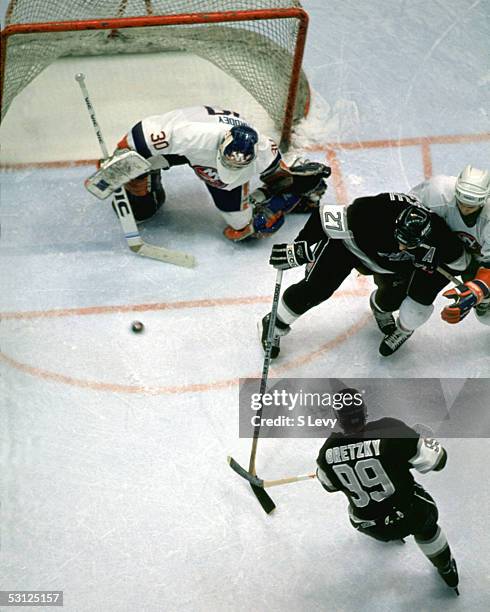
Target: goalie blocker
{"points": [[115, 172]]}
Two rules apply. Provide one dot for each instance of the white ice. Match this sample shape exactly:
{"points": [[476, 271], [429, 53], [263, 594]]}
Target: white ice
{"points": [[115, 486]]}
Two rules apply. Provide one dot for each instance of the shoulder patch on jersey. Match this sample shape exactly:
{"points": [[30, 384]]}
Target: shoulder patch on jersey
{"points": [[427, 456], [209, 176], [334, 221]]}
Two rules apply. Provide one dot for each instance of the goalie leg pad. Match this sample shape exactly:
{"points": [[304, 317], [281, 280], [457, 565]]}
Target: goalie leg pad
{"points": [[267, 221], [145, 206]]}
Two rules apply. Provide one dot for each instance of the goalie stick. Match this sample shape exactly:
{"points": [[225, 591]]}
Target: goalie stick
{"points": [[123, 209], [264, 499]]}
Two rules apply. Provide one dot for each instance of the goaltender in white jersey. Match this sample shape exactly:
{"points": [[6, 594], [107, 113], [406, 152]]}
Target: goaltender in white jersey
{"points": [[199, 132], [463, 202], [226, 153]]}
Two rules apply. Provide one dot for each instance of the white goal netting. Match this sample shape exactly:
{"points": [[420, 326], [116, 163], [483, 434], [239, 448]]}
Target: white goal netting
{"points": [[260, 50]]}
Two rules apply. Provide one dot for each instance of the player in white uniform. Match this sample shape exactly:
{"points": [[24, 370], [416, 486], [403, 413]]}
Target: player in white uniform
{"points": [[226, 153], [463, 202]]}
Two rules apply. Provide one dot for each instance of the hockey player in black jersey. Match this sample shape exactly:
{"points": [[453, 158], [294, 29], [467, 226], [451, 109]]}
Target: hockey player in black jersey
{"points": [[371, 463], [390, 236]]}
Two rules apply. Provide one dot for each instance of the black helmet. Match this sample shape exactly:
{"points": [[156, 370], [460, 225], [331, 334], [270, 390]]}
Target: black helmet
{"points": [[412, 226], [350, 409]]}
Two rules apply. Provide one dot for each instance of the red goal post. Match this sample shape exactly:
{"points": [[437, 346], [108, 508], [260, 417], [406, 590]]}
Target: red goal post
{"points": [[261, 48]]}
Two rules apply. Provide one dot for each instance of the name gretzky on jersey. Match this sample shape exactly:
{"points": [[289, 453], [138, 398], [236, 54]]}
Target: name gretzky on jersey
{"points": [[350, 452]]}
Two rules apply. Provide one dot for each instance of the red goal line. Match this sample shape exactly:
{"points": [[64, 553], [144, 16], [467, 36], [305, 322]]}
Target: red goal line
{"points": [[330, 148]]}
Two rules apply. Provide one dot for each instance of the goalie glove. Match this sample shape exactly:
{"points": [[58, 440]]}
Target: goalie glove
{"points": [[286, 256], [465, 297], [303, 179], [309, 179]]}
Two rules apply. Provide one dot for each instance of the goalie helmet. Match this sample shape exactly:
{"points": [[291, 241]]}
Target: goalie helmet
{"points": [[412, 226], [350, 410], [473, 187], [237, 151]]}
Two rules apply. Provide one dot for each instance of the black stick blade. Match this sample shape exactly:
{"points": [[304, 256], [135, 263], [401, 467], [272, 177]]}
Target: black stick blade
{"points": [[252, 479], [257, 486], [264, 498]]}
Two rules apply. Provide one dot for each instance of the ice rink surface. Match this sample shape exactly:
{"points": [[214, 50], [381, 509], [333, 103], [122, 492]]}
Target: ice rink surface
{"points": [[115, 486]]}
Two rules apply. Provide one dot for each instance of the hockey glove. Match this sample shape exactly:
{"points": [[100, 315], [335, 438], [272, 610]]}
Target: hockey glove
{"points": [[465, 298], [308, 179], [303, 178], [285, 256]]}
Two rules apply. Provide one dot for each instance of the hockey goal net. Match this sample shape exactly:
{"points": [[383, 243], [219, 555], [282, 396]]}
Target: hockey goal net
{"points": [[261, 48]]}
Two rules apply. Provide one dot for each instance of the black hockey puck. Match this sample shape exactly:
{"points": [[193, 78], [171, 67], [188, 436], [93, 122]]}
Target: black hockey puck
{"points": [[137, 327]]}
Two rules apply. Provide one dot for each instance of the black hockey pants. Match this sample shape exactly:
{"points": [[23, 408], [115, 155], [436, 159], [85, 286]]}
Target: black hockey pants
{"points": [[419, 518], [334, 262]]}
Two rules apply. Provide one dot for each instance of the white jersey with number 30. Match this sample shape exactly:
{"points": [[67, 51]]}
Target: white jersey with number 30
{"points": [[438, 194], [195, 134]]}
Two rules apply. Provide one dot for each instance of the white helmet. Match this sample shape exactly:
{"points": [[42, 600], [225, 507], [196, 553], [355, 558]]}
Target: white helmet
{"points": [[473, 187]]}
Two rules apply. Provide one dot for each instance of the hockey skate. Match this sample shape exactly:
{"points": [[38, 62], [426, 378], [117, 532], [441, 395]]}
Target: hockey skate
{"points": [[281, 329], [384, 320], [450, 575], [393, 341]]}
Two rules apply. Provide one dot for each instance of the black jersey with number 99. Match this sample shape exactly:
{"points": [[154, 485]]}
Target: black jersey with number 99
{"points": [[373, 467]]}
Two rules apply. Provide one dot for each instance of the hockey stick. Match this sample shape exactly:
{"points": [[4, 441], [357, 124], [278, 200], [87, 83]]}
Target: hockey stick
{"points": [[449, 277], [265, 368], [265, 484], [122, 207], [264, 499], [423, 430]]}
